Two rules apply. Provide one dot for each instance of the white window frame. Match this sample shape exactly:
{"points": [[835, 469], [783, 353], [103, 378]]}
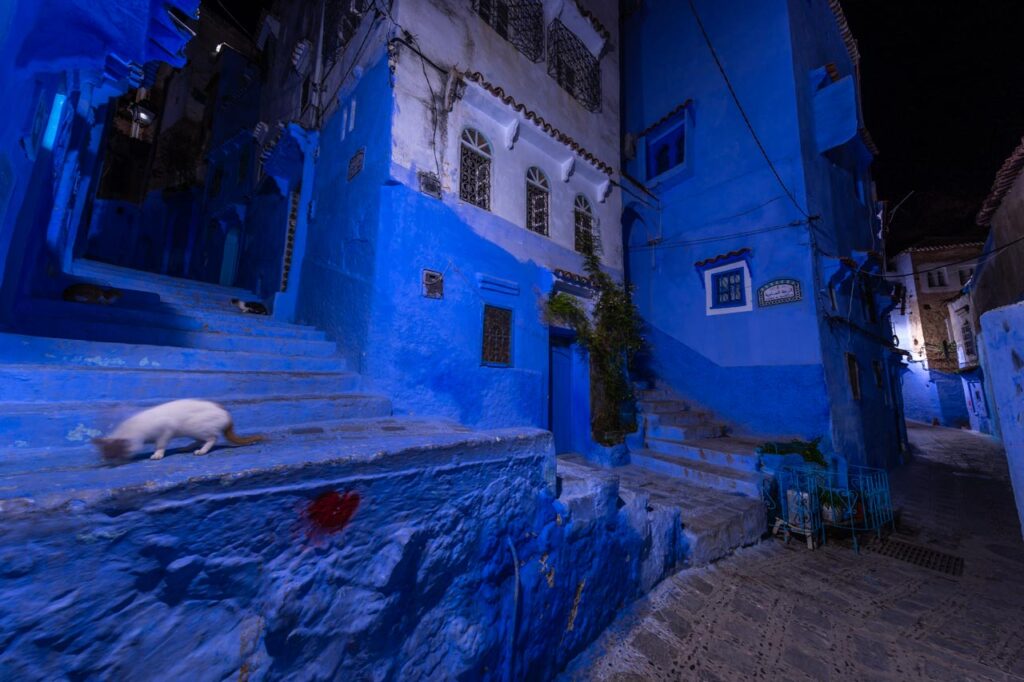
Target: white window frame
{"points": [[709, 294]]}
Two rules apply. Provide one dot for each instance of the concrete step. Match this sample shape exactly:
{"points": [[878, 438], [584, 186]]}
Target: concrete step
{"points": [[700, 473], [294, 436], [711, 453], [683, 432], [690, 418], [172, 317], [127, 278], [40, 350], [35, 425], [656, 394], [117, 332], [51, 383]]}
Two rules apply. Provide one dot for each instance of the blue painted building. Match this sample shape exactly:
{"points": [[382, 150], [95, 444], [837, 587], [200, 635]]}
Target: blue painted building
{"points": [[750, 228]]}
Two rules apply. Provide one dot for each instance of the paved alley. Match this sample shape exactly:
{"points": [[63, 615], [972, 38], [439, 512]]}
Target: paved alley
{"points": [[781, 612]]}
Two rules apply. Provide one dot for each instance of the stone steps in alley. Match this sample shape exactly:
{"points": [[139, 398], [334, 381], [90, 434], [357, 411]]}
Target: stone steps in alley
{"points": [[690, 445], [81, 369], [713, 522]]}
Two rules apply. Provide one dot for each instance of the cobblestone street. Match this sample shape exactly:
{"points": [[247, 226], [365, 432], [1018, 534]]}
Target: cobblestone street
{"points": [[780, 612]]}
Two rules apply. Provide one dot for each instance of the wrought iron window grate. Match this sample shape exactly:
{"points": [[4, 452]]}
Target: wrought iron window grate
{"points": [[585, 234], [574, 67], [538, 200], [475, 169], [497, 345], [520, 22]]}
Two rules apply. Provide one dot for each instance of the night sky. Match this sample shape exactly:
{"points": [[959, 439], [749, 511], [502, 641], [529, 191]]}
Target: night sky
{"points": [[943, 91]]}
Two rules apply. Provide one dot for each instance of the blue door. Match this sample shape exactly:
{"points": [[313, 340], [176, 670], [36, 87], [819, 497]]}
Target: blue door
{"points": [[561, 393]]}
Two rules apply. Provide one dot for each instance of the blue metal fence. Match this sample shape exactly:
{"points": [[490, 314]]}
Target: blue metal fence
{"points": [[812, 499]]}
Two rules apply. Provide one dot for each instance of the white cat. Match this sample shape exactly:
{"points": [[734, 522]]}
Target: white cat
{"points": [[199, 419]]}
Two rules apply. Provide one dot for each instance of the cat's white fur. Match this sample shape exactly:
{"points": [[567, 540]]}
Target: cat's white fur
{"points": [[199, 419]]}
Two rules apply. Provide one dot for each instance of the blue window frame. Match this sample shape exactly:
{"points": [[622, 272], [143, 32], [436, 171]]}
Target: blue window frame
{"points": [[729, 290], [665, 149]]}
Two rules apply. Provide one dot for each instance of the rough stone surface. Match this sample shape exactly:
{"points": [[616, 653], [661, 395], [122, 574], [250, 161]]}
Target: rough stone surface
{"points": [[781, 612]]}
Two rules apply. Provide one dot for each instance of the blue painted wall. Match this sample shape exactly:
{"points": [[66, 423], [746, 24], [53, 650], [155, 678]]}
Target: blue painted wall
{"points": [[778, 370], [930, 394], [1002, 337]]}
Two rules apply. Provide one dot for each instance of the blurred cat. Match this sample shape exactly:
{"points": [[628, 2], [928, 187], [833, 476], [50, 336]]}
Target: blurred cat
{"points": [[83, 292], [202, 420], [250, 307]]}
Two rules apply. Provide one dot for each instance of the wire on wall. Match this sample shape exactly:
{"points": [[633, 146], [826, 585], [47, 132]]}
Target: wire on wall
{"points": [[743, 113]]}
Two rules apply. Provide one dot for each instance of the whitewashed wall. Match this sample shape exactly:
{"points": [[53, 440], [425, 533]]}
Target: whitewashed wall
{"points": [[451, 35]]}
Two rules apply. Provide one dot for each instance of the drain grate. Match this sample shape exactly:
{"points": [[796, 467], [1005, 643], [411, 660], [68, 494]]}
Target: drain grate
{"points": [[919, 556]]}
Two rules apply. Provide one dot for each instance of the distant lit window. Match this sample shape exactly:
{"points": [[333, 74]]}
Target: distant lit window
{"points": [[729, 289], [583, 218], [538, 200], [665, 146], [520, 22], [572, 64], [936, 278], [475, 169], [853, 371], [497, 341]]}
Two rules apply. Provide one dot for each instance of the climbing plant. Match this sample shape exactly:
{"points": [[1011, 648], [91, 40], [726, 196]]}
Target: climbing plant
{"points": [[611, 335]]}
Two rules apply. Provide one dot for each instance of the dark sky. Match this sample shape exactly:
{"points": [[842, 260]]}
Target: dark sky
{"points": [[943, 92]]}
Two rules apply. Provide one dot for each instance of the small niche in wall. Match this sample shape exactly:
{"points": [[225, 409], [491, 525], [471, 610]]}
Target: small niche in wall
{"points": [[433, 284], [430, 184], [355, 164]]}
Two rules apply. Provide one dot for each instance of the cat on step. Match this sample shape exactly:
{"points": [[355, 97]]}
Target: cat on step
{"points": [[250, 307], [83, 292], [202, 420]]}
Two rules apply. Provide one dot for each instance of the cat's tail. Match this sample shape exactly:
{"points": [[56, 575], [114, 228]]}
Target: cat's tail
{"points": [[235, 439]]}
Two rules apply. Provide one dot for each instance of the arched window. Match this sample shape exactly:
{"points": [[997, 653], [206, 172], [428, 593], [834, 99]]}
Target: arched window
{"points": [[538, 200], [583, 216], [475, 169]]}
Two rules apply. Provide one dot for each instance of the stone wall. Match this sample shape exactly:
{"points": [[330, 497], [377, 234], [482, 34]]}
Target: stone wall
{"points": [[382, 566]]}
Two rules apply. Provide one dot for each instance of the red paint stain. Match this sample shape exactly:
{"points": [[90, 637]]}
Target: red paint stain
{"points": [[331, 512]]}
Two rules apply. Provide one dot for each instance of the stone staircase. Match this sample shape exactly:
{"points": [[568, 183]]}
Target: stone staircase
{"points": [[71, 371], [687, 443]]}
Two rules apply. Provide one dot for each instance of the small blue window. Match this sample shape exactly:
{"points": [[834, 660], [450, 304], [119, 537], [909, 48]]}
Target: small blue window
{"points": [[728, 289], [666, 148]]}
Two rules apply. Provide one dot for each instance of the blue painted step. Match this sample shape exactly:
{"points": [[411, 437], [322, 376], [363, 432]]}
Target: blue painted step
{"points": [[120, 277], [39, 350], [32, 425], [51, 383], [88, 330], [700, 473], [704, 451], [171, 317]]}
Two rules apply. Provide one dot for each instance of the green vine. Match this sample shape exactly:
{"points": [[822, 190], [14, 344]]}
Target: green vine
{"points": [[809, 450], [611, 335]]}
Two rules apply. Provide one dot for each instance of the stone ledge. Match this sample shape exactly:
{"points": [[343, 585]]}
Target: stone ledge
{"points": [[361, 446]]}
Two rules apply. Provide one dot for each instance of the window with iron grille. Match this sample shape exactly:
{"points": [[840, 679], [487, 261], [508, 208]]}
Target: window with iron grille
{"points": [[729, 289], [520, 22], [475, 169], [538, 200], [583, 217], [574, 67], [497, 345], [968, 333]]}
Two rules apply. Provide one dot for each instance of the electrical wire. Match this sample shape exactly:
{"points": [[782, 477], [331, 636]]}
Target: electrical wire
{"points": [[743, 113], [718, 238]]}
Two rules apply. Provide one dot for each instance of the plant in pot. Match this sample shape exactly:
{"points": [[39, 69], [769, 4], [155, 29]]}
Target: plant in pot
{"points": [[834, 505]]}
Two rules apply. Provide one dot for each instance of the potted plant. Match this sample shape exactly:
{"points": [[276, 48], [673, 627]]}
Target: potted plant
{"points": [[834, 505]]}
